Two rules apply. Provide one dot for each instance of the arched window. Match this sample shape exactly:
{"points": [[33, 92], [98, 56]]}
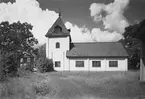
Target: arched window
{"points": [[57, 45]]}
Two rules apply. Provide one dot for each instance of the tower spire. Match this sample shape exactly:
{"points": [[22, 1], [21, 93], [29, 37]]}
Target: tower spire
{"points": [[59, 12]]}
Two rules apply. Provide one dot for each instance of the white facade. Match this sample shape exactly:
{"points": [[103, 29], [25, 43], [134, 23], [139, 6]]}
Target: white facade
{"points": [[69, 64], [59, 54], [88, 66]]}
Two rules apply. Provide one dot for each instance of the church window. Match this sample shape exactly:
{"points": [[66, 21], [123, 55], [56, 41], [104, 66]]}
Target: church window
{"points": [[57, 63], [79, 63], [57, 45], [113, 63], [96, 63]]}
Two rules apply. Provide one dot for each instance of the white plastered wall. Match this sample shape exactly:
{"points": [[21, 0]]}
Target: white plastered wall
{"points": [[73, 67], [59, 54], [103, 64], [122, 64]]}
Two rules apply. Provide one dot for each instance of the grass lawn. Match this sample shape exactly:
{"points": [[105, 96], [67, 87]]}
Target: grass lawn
{"points": [[74, 85]]}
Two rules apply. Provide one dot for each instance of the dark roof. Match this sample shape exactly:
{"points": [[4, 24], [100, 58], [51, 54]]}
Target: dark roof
{"points": [[58, 23], [98, 49]]}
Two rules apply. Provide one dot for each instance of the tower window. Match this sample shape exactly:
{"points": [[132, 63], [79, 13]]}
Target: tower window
{"points": [[57, 29], [57, 45]]}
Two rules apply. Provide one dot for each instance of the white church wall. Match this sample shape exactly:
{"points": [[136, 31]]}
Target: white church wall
{"points": [[122, 64], [103, 64], [64, 45], [58, 54], [73, 65]]}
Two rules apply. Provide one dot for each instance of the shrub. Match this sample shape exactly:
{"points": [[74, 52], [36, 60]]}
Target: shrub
{"points": [[8, 66], [11, 65], [44, 64]]}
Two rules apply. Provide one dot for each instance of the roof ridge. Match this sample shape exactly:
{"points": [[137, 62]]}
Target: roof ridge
{"points": [[92, 42]]}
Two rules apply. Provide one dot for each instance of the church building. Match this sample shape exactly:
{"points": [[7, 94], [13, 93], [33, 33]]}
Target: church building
{"points": [[91, 56]]}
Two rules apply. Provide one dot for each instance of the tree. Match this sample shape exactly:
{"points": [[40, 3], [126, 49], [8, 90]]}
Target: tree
{"points": [[16, 37], [134, 36], [136, 31], [139, 33], [15, 40], [133, 46]]}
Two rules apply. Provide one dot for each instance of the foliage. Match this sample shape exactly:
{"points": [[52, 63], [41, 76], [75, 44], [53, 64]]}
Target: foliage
{"points": [[43, 64], [130, 31], [8, 66], [2, 70], [132, 43], [16, 37], [15, 40], [136, 31], [40, 51]]}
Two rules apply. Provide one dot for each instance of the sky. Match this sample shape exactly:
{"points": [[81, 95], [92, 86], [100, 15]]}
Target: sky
{"points": [[89, 20]]}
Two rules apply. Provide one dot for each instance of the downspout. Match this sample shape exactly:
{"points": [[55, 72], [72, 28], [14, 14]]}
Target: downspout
{"points": [[69, 63], [88, 64], [105, 63]]}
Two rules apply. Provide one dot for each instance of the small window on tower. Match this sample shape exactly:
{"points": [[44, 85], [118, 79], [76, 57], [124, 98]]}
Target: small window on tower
{"points": [[57, 45], [57, 29]]}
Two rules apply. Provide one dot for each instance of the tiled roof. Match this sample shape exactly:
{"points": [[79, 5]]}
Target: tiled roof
{"points": [[98, 49], [63, 32]]}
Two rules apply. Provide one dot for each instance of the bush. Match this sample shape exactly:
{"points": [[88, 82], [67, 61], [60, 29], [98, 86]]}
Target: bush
{"points": [[44, 64], [12, 65], [2, 68], [8, 66]]}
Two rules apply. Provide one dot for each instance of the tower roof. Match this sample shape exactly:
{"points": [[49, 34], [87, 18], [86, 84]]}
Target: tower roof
{"points": [[63, 31]]}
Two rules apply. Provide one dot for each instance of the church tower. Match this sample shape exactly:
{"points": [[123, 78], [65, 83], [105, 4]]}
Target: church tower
{"points": [[58, 44]]}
